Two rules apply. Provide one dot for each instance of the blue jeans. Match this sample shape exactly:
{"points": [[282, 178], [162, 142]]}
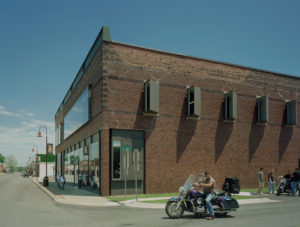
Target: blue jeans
{"points": [[208, 198], [271, 187], [295, 185]]}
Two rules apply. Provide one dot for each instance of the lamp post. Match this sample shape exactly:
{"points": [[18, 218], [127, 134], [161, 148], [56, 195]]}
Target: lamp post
{"points": [[36, 160], [45, 180]]}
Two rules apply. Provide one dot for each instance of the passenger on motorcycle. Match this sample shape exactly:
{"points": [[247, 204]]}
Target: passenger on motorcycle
{"points": [[208, 190]]}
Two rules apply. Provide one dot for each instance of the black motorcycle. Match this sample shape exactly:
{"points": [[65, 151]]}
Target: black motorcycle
{"points": [[284, 186], [193, 201]]}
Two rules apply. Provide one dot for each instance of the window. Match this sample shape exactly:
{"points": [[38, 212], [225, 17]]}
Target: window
{"points": [[291, 112], [263, 109], [116, 160], [78, 114], [58, 134], [230, 106], [194, 102], [151, 97], [90, 102]]}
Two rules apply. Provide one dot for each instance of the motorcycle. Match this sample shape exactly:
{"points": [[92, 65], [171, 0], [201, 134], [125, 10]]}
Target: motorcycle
{"points": [[191, 200], [283, 187]]}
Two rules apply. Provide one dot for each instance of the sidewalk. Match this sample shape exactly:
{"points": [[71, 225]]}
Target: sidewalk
{"points": [[74, 196]]}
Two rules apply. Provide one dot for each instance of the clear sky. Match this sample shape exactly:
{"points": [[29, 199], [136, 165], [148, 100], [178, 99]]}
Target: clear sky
{"points": [[43, 44]]}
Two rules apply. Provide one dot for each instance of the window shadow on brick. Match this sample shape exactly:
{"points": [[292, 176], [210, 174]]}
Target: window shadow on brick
{"points": [[223, 133], [256, 134], [285, 137], [142, 122], [185, 133]]}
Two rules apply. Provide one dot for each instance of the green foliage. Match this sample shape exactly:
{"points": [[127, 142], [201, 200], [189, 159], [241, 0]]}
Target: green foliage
{"points": [[2, 158], [20, 169], [120, 198], [11, 163], [50, 158], [164, 201]]}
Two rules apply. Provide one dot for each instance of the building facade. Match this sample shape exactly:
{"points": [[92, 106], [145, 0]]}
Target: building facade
{"points": [[2, 168], [137, 113]]}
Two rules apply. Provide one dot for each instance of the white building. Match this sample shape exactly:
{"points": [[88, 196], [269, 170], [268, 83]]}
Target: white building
{"points": [[42, 170]]}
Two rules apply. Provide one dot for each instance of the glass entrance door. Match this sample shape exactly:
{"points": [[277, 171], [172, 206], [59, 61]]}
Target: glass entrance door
{"points": [[127, 161]]}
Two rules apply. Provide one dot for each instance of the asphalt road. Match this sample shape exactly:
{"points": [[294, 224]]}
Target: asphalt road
{"points": [[23, 204]]}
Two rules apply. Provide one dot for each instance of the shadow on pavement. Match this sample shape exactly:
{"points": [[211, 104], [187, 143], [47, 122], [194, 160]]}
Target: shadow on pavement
{"points": [[71, 190], [189, 216]]}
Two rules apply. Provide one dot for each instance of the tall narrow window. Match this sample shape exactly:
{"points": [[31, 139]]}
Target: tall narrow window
{"points": [[151, 97], [291, 112], [263, 109], [194, 102], [90, 102], [116, 160], [230, 106]]}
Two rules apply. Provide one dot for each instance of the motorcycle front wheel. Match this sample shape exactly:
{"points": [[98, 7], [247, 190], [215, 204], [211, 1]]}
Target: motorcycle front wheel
{"points": [[279, 190], [172, 210]]}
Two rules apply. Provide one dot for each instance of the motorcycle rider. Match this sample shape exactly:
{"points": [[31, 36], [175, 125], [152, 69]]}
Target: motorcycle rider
{"points": [[208, 189]]}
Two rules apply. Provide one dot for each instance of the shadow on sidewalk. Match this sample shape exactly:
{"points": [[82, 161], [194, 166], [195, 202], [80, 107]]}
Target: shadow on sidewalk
{"points": [[71, 190]]}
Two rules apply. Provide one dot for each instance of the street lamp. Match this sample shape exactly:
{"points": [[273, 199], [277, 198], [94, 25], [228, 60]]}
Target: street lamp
{"points": [[45, 180], [36, 160]]}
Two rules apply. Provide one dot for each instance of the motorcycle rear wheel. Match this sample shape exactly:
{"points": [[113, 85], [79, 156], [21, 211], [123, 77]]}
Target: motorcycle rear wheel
{"points": [[171, 210]]}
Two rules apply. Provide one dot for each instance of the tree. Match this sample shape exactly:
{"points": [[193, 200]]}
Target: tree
{"points": [[2, 158], [11, 163]]}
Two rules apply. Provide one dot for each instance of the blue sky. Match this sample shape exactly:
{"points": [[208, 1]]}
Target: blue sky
{"points": [[43, 44]]}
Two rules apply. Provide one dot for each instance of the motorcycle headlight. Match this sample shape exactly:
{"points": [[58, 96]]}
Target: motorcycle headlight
{"points": [[181, 190]]}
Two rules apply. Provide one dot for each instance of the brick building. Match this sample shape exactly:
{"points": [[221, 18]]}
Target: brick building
{"points": [[175, 115]]}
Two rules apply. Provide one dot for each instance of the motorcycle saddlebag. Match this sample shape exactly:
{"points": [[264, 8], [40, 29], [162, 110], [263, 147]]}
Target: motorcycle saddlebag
{"points": [[231, 185], [228, 202]]}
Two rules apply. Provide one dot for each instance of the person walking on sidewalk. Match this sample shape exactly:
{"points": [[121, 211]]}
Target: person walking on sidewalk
{"points": [[260, 175], [271, 181], [295, 182]]}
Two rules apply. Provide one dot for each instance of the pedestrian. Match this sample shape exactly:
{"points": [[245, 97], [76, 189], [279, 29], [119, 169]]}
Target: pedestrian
{"points": [[271, 181], [295, 182], [260, 175]]}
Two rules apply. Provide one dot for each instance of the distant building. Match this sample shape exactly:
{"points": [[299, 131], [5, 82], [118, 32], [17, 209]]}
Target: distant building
{"points": [[175, 115], [2, 168], [39, 167]]}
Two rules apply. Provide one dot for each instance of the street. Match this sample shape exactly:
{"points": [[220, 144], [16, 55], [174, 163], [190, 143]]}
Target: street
{"points": [[22, 203]]}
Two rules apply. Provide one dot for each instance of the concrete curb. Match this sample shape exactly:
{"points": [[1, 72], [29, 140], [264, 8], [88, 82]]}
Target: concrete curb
{"points": [[138, 204], [77, 200]]}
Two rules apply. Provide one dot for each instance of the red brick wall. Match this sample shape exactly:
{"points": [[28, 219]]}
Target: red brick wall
{"points": [[174, 146]]}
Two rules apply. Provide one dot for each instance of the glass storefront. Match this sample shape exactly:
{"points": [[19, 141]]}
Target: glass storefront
{"points": [[78, 115], [82, 166], [58, 164]]}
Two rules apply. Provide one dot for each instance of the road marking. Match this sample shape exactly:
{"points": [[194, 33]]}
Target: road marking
{"points": [[60, 196]]}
